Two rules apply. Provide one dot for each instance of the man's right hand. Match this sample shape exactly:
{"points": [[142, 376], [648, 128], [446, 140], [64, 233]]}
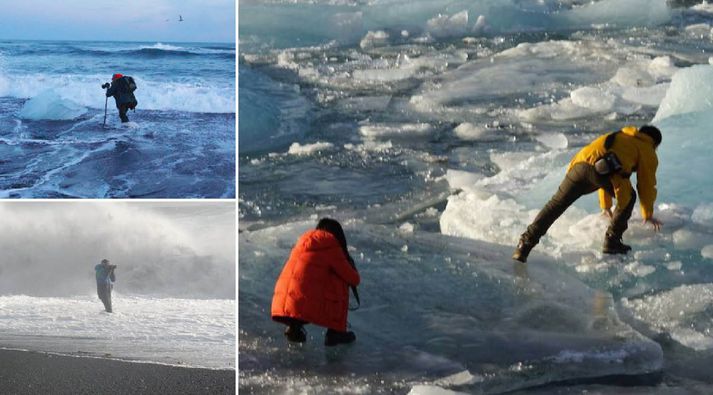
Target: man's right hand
{"points": [[655, 223], [607, 213]]}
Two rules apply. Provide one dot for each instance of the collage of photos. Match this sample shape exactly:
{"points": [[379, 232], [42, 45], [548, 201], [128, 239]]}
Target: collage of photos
{"points": [[448, 197], [118, 151]]}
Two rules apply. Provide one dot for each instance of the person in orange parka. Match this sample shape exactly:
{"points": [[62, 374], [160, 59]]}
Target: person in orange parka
{"points": [[314, 285]]}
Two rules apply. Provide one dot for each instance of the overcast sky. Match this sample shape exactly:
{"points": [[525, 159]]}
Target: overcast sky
{"points": [[118, 20]]}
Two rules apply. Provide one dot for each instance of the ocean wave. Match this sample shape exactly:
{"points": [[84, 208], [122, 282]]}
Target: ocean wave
{"points": [[189, 96], [147, 51]]}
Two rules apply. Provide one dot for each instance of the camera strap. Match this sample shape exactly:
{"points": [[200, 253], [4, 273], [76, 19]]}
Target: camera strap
{"points": [[356, 296]]}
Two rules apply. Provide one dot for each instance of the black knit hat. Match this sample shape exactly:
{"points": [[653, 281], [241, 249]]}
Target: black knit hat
{"points": [[653, 132]]}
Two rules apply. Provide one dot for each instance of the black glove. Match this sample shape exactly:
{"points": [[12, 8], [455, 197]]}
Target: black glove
{"points": [[106, 85]]}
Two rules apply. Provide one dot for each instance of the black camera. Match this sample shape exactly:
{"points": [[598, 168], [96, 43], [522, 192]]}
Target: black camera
{"points": [[106, 85]]}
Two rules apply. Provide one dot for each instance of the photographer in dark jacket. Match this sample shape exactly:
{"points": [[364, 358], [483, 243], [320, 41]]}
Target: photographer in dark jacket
{"points": [[105, 282], [122, 89]]}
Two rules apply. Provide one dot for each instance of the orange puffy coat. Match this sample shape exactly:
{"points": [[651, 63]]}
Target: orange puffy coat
{"points": [[314, 284]]}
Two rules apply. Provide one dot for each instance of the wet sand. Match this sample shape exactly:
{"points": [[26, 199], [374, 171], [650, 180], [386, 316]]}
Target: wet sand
{"points": [[27, 372]]}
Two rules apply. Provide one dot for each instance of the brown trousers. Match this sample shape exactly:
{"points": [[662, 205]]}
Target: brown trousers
{"points": [[580, 180]]}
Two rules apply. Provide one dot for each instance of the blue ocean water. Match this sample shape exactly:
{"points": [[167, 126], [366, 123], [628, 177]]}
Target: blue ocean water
{"points": [[180, 142], [434, 131]]}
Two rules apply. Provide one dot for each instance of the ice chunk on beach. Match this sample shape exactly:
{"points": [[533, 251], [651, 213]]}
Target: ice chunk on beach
{"points": [[50, 106]]}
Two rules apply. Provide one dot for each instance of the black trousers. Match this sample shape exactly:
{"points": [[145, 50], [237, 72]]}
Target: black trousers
{"points": [[123, 109], [580, 180], [104, 293]]}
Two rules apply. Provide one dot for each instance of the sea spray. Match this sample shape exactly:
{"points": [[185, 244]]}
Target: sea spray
{"points": [[50, 249]]}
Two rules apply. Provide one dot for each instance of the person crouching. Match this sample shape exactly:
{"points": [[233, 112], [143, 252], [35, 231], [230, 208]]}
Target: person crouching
{"points": [[313, 286]]}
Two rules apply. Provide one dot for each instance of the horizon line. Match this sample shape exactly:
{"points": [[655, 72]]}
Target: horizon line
{"points": [[117, 41]]}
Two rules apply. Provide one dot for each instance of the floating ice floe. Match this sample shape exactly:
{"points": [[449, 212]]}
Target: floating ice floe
{"points": [[391, 131], [470, 132], [642, 82], [452, 314], [308, 149], [682, 312], [448, 25], [699, 30], [509, 73], [703, 7], [372, 39]]}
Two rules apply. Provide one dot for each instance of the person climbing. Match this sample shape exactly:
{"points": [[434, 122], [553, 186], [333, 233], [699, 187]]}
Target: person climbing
{"points": [[313, 286], [105, 282], [605, 164], [122, 89]]}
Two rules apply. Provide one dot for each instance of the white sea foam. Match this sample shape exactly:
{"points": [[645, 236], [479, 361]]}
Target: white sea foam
{"points": [[84, 90], [160, 249], [189, 332]]}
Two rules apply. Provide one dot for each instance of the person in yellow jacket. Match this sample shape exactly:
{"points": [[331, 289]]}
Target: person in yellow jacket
{"points": [[605, 165]]}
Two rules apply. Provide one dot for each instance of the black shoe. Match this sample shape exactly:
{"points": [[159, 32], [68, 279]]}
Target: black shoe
{"points": [[332, 337], [522, 251], [615, 246], [296, 334]]}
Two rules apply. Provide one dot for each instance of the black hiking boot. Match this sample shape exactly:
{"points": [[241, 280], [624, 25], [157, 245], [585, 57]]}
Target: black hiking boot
{"points": [[615, 246], [332, 337], [296, 334], [522, 251]]}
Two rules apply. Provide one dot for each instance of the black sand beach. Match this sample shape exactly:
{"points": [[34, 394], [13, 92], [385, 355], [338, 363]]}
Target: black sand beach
{"points": [[26, 372]]}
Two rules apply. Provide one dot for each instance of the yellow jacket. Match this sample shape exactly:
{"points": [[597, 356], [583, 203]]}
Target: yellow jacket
{"points": [[636, 153]]}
